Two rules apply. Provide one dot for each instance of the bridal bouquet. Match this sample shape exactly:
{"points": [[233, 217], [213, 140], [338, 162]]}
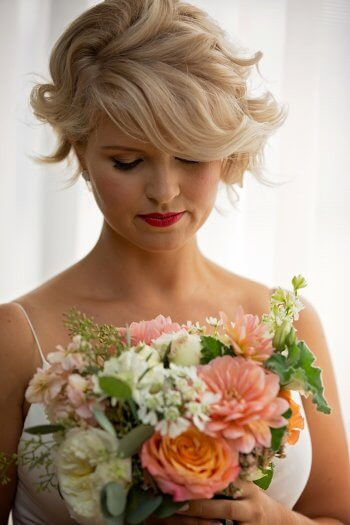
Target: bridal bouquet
{"points": [[147, 417]]}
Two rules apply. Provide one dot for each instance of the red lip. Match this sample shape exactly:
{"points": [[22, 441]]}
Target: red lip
{"points": [[163, 221], [161, 215]]}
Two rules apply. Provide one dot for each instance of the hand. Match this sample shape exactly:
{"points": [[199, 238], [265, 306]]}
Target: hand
{"points": [[254, 507]]}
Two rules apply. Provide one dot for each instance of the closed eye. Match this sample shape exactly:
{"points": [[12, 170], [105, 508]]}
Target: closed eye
{"points": [[130, 165]]}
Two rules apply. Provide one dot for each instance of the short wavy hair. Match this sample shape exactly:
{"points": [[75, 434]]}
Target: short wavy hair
{"points": [[166, 73]]}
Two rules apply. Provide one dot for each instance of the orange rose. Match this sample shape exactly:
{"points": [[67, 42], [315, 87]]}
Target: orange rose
{"points": [[191, 466], [296, 421]]}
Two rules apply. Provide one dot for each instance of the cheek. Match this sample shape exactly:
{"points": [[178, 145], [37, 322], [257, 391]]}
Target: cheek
{"points": [[114, 192], [204, 186]]}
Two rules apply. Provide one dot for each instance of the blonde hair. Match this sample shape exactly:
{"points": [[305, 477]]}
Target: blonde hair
{"points": [[166, 73]]}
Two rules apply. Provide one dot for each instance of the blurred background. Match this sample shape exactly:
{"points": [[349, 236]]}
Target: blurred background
{"points": [[302, 226]]}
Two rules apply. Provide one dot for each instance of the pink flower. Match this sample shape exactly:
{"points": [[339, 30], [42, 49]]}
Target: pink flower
{"points": [[192, 465], [76, 388], [76, 391], [146, 331], [59, 409], [249, 404], [44, 386], [67, 360], [248, 336]]}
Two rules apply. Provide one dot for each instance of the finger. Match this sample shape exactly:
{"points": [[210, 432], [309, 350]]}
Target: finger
{"points": [[219, 509], [180, 520]]}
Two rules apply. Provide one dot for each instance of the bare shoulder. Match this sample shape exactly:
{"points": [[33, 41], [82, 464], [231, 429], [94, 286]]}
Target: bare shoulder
{"points": [[16, 348], [16, 356], [254, 296], [326, 493]]}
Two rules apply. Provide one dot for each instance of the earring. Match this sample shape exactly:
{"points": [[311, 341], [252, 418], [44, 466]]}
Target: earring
{"points": [[85, 175]]}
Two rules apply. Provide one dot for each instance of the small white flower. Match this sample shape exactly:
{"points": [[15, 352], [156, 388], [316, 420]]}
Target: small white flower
{"points": [[173, 428], [172, 397], [171, 413], [213, 321]]}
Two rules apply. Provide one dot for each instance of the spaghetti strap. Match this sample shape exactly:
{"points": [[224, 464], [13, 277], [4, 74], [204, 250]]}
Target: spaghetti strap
{"points": [[34, 334]]}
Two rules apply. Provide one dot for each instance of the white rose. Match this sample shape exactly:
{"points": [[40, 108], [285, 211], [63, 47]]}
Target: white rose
{"points": [[85, 461], [149, 354], [185, 348], [162, 342]]}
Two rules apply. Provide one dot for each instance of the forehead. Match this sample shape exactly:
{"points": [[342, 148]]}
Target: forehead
{"points": [[107, 133]]}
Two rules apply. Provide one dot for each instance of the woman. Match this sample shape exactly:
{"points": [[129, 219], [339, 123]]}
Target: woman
{"points": [[151, 99]]}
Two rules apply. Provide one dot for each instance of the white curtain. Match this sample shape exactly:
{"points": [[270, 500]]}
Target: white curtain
{"points": [[275, 233]]}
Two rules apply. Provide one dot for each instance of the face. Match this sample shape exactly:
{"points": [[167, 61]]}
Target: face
{"points": [[130, 178]]}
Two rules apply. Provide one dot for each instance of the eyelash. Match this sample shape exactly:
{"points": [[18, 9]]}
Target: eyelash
{"points": [[126, 166]]}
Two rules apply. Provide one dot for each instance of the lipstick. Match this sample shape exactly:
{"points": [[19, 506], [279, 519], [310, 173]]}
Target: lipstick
{"points": [[161, 220]]}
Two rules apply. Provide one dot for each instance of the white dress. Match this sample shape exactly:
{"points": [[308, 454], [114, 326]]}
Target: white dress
{"points": [[47, 508]]}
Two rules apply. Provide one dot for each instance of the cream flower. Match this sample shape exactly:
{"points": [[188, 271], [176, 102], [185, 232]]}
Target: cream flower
{"points": [[185, 349], [85, 461], [149, 354]]}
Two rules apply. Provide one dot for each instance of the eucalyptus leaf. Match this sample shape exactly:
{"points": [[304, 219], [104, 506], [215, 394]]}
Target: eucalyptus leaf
{"points": [[168, 507], [44, 429], [131, 443], [115, 387], [103, 421], [140, 505], [115, 520], [112, 504], [115, 497], [108, 518]]}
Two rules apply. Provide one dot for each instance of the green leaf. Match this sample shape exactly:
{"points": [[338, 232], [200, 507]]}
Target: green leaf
{"points": [[103, 421], [113, 499], [44, 429], [288, 413], [276, 437], [211, 348], [293, 355], [297, 373], [108, 517], [278, 363], [168, 507], [140, 505], [115, 520], [115, 387], [313, 378], [91, 369], [265, 481], [131, 443], [166, 361]]}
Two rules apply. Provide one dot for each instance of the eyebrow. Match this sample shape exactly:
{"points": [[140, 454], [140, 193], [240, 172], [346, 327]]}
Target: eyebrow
{"points": [[115, 146]]}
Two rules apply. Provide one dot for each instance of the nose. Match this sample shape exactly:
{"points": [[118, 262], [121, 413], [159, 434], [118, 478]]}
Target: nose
{"points": [[162, 185]]}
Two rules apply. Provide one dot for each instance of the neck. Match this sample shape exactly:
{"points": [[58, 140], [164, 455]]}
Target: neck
{"points": [[120, 271]]}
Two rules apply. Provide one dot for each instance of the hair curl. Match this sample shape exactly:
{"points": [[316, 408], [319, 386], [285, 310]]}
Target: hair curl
{"points": [[166, 73]]}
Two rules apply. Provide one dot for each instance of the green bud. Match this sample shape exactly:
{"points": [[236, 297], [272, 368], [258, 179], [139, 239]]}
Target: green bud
{"points": [[281, 334], [298, 282], [291, 337]]}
